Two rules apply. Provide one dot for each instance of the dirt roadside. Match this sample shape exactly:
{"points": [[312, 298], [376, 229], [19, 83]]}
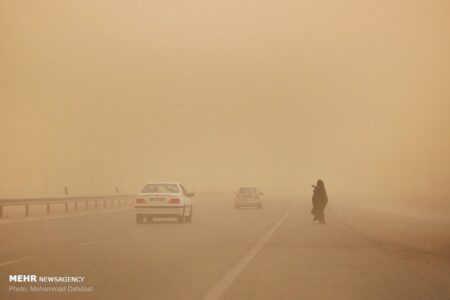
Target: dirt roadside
{"points": [[420, 239]]}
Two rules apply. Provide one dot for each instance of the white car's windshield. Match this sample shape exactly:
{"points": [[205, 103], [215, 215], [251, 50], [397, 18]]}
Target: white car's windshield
{"points": [[160, 188]]}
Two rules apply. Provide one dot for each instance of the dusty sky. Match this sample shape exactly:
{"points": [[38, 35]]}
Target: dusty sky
{"points": [[218, 94]]}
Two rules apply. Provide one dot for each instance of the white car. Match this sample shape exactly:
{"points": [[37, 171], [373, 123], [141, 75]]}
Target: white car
{"points": [[164, 199], [249, 196]]}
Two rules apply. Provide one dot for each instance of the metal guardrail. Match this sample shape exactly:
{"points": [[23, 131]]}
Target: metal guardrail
{"points": [[120, 200]]}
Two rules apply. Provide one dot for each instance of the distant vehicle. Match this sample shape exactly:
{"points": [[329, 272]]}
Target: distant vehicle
{"points": [[249, 196], [164, 199]]}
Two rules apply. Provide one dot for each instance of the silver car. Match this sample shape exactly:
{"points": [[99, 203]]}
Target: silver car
{"points": [[249, 197]]}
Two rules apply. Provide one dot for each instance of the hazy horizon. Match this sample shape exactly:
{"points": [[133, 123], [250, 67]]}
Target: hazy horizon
{"points": [[219, 94]]}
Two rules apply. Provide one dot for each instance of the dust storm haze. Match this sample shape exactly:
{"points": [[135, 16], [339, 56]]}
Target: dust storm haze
{"points": [[218, 94], [98, 98]]}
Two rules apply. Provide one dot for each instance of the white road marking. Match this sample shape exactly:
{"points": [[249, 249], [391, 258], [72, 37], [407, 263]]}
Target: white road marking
{"points": [[10, 262], [56, 245], [218, 290]]}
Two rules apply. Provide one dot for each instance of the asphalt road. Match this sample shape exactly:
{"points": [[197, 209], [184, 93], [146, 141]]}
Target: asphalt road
{"points": [[272, 253]]}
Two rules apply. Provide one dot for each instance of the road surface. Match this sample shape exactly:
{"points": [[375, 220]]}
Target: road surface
{"points": [[270, 253]]}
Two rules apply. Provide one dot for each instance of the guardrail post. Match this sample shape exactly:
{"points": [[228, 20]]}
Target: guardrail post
{"points": [[76, 205], [1, 211], [96, 204], [26, 210], [104, 203], [120, 202], [87, 205], [48, 208], [112, 203], [66, 207]]}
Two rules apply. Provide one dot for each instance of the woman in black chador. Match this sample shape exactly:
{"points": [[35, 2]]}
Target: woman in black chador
{"points": [[319, 201]]}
